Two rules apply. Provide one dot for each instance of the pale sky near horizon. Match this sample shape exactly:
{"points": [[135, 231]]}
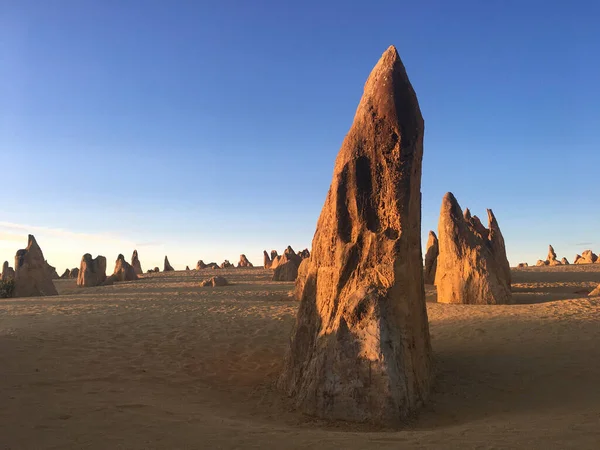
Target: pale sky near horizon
{"points": [[202, 130]]}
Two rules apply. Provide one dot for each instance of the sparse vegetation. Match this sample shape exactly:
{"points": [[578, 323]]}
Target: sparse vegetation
{"points": [[7, 288]]}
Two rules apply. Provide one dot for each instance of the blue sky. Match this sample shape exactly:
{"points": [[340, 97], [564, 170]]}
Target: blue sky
{"points": [[203, 130]]}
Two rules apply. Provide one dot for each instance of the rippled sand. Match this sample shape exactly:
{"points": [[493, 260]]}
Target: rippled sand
{"points": [[162, 363]]}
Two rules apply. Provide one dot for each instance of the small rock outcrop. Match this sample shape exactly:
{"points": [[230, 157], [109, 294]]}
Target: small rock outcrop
{"points": [[156, 270], [214, 282], [522, 265], [92, 271], [266, 260], [360, 349], [541, 262], [200, 265], [32, 277], [587, 257], [135, 263], [304, 254], [187, 268], [431, 256], [123, 271], [167, 266], [274, 254], [226, 265], [244, 262], [472, 267], [66, 274], [8, 273], [74, 272], [564, 262]]}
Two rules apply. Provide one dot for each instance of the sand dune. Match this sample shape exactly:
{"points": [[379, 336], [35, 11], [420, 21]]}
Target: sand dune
{"points": [[160, 363]]}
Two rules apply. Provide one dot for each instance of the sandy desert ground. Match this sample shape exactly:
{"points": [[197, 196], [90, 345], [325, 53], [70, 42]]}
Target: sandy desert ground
{"points": [[160, 363]]}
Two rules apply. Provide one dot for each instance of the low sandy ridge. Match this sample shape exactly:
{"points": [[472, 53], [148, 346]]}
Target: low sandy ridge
{"points": [[161, 363]]}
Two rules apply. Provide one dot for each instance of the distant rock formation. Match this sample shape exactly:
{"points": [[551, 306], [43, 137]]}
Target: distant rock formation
{"points": [[360, 348], [8, 273], [200, 265], [541, 262], [167, 266], [66, 274], [522, 265], [274, 254], [226, 265], [74, 272], [587, 257], [564, 262], [123, 271], [135, 263], [472, 267], [92, 271], [552, 261], [304, 254], [214, 282], [288, 271], [32, 277], [156, 270], [266, 260], [244, 262], [431, 255], [187, 268], [576, 259]]}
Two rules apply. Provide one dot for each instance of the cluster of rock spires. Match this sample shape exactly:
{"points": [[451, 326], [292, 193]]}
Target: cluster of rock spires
{"points": [[244, 262], [550, 260], [587, 257], [360, 349], [285, 267], [70, 273], [472, 267]]}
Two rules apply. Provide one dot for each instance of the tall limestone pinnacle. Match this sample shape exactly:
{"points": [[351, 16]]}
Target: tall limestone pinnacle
{"points": [[360, 349]]}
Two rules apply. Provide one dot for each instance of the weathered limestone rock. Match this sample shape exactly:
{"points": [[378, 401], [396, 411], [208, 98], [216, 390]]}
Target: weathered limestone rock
{"points": [[92, 271], [52, 271], [226, 265], [66, 274], [360, 349], [541, 262], [156, 269], [200, 265], [32, 277], [290, 255], [304, 254], [288, 271], [135, 263], [187, 268], [278, 259], [587, 257], [167, 266], [274, 254], [595, 292], [522, 265], [8, 272], [214, 282], [74, 272], [472, 266], [564, 262], [431, 258], [244, 262], [123, 271], [266, 260], [577, 258], [551, 256]]}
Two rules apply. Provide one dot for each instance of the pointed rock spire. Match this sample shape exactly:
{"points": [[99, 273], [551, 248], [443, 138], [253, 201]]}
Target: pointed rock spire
{"points": [[360, 349]]}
